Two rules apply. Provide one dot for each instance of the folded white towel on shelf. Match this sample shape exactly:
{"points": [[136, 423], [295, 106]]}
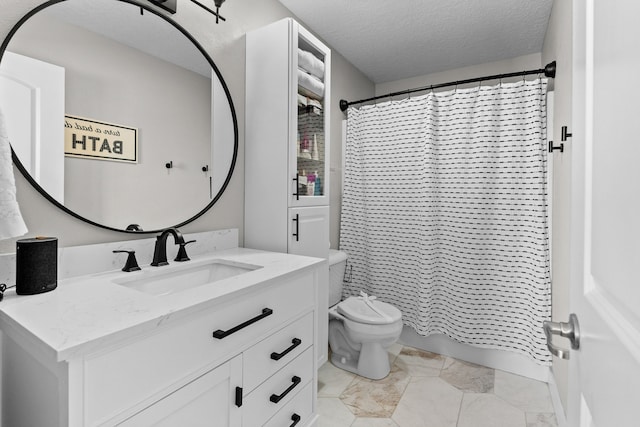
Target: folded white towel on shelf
{"points": [[303, 100], [310, 85], [11, 222], [310, 63]]}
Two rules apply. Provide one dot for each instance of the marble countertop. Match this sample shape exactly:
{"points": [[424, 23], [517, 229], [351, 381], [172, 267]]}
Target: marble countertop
{"points": [[84, 314]]}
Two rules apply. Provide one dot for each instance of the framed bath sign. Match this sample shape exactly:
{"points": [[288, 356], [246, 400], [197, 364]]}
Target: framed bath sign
{"points": [[93, 139]]}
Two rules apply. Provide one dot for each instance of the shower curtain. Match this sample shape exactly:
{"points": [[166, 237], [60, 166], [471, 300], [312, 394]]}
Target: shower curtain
{"points": [[444, 213]]}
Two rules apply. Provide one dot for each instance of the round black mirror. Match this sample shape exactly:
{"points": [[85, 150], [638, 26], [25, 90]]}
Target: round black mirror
{"points": [[116, 114]]}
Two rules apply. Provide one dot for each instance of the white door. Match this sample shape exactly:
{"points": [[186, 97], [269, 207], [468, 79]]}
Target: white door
{"points": [[32, 100], [309, 231], [605, 284], [207, 401]]}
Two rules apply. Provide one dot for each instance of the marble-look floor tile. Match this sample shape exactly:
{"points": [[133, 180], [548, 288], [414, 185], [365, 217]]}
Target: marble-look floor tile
{"points": [[524, 393], [488, 410], [419, 363], [394, 350], [374, 422], [541, 419], [375, 398], [428, 402], [333, 413], [332, 381], [429, 390], [468, 376]]}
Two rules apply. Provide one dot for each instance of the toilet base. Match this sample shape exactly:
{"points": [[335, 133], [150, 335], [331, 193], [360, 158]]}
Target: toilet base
{"points": [[372, 362]]}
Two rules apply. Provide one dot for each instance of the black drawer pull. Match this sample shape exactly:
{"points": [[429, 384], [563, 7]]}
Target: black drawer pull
{"points": [[275, 398], [296, 419], [221, 334], [294, 343]]}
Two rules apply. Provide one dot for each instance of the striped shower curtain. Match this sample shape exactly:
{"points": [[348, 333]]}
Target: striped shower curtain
{"points": [[444, 213]]}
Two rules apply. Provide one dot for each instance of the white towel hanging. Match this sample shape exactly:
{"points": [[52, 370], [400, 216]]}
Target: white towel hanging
{"points": [[11, 222]]}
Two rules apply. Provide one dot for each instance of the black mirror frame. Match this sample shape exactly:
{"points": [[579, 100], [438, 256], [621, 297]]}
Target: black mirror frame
{"points": [[47, 196]]}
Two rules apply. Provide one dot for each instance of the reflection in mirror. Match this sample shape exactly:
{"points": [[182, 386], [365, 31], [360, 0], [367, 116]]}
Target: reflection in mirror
{"points": [[127, 92]]}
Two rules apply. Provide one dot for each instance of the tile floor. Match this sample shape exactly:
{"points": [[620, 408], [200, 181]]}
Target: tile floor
{"points": [[429, 390]]}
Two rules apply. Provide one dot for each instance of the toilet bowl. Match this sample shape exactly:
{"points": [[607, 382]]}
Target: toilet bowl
{"points": [[361, 328]]}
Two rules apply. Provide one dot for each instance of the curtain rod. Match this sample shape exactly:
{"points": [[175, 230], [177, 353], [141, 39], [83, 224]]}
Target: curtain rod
{"points": [[549, 71]]}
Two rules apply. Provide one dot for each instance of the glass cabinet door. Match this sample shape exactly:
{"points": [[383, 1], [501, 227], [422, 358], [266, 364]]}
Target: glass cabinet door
{"points": [[310, 148], [311, 142]]}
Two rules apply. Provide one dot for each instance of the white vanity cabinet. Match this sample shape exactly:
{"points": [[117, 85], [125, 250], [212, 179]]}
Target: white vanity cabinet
{"points": [[287, 147], [241, 359]]}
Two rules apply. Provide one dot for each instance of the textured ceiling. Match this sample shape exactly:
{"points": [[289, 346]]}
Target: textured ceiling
{"points": [[390, 40]]}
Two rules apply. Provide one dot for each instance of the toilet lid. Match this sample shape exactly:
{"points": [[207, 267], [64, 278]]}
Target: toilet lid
{"points": [[356, 309]]}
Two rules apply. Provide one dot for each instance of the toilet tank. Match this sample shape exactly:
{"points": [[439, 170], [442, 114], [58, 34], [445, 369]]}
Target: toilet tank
{"points": [[337, 267]]}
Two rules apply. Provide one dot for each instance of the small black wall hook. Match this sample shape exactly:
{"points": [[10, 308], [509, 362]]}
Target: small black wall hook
{"points": [[169, 165], [552, 148], [565, 134]]}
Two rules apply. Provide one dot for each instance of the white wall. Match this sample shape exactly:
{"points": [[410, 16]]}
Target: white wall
{"points": [[557, 46], [226, 45], [520, 63], [349, 89]]}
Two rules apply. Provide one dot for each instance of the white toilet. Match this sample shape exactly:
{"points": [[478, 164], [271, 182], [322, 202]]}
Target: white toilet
{"points": [[361, 329]]}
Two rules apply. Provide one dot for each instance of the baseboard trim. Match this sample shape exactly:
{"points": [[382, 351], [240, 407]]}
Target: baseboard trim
{"points": [[561, 418]]}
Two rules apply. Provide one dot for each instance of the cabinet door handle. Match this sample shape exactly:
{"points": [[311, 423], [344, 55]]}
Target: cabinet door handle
{"points": [[297, 193], [238, 396], [219, 334], [277, 398], [297, 233], [296, 419], [294, 343]]}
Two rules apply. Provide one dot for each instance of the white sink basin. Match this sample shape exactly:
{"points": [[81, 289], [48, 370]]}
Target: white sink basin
{"points": [[159, 282]]}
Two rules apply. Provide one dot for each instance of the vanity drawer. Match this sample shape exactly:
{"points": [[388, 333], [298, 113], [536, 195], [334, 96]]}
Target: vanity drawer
{"points": [[178, 352], [297, 412], [265, 358], [276, 392]]}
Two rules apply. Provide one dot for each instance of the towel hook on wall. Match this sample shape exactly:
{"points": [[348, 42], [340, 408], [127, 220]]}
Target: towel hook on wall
{"points": [[552, 147]]}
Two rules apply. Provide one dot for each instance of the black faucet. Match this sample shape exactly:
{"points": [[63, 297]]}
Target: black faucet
{"points": [[160, 251]]}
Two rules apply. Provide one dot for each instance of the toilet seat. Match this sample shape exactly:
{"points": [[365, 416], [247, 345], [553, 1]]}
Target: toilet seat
{"points": [[358, 309]]}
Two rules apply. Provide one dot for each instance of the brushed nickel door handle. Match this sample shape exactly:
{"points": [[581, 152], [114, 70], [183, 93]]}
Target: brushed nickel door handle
{"points": [[569, 330]]}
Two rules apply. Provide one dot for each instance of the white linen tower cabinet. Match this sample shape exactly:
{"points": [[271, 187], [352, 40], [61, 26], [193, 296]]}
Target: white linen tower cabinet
{"points": [[287, 148]]}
